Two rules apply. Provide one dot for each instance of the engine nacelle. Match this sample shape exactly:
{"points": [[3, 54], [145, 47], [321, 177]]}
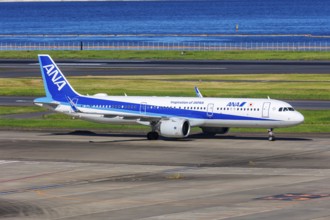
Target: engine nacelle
{"points": [[174, 128], [101, 95], [212, 130]]}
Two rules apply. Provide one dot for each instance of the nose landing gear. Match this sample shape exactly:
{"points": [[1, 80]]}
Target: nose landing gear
{"points": [[271, 136]]}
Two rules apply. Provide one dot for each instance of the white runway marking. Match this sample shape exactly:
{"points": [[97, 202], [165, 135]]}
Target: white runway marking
{"points": [[22, 100], [7, 161]]}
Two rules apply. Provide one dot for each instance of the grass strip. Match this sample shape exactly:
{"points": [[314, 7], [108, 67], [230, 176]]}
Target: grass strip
{"points": [[277, 86], [172, 55], [9, 110]]}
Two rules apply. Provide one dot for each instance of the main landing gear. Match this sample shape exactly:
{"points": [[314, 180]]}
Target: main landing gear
{"points": [[152, 135], [271, 136]]}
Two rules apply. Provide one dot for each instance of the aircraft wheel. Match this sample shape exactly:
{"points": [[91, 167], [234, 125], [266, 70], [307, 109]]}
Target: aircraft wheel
{"points": [[271, 136], [152, 135]]}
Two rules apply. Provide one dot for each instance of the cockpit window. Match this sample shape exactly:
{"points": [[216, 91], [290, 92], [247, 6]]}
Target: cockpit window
{"points": [[285, 109]]}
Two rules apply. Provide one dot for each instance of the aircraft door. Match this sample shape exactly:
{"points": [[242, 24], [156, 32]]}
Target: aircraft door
{"points": [[143, 108], [210, 108], [265, 110]]}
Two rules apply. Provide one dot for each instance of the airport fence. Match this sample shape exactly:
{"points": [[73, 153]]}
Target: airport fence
{"points": [[176, 46]]}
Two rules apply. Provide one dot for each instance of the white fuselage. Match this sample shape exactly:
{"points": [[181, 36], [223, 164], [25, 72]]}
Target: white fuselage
{"points": [[202, 112]]}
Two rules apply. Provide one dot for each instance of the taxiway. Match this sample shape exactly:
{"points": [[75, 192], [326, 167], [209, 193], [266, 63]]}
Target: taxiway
{"points": [[47, 175], [30, 68]]}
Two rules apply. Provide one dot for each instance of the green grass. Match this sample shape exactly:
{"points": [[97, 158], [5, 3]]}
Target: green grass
{"points": [[277, 86], [55, 121], [172, 55], [8, 110]]}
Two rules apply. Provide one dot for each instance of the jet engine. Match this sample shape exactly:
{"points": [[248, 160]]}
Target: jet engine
{"points": [[174, 128]]}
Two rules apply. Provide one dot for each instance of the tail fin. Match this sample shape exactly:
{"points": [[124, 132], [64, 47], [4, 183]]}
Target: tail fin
{"points": [[56, 85]]}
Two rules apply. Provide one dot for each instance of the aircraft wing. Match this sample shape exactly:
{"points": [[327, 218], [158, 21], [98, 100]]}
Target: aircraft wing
{"points": [[126, 116], [145, 118]]}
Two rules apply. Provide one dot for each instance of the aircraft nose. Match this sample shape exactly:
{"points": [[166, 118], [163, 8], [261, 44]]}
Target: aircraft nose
{"points": [[299, 118]]}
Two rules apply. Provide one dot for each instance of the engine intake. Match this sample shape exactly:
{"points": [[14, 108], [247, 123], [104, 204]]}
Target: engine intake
{"points": [[174, 128]]}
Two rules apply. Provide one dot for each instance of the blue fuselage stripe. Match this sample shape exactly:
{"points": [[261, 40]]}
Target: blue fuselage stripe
{"points": [[153, 110]]}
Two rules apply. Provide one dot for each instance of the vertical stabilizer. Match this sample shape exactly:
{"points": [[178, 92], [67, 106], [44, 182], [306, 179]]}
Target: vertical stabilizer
{"points": [[56, 85]]}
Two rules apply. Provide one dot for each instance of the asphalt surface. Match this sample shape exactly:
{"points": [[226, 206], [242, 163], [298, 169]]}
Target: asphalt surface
{"points": [[81, 176], [30, 68]]}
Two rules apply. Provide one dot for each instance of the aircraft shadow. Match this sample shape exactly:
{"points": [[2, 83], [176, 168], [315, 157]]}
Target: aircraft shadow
{"points": [[250, 137], [85, 133], [192, 137]]}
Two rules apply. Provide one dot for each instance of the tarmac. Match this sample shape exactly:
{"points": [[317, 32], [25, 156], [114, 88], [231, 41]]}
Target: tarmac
{"points": [[30, 68], [83, 175]]}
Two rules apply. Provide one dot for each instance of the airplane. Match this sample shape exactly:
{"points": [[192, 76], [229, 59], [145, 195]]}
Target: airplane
{"points": [[169, 117]]}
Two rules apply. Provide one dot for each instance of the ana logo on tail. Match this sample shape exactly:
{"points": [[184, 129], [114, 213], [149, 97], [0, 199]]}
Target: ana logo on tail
{"points": [[57, 78]]}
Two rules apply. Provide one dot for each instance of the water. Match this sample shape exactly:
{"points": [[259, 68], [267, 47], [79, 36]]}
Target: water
{"points": [[167, 21]]}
